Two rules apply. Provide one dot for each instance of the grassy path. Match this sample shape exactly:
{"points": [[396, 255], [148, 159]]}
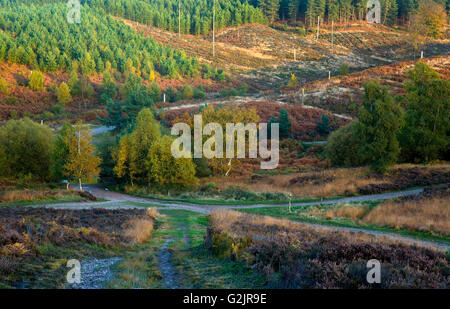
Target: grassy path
{"points": [[174, 257]]}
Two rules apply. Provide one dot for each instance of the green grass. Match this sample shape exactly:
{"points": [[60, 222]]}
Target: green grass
{"points": [[299, 213], [67, 199], [222, 202], [196, 267], [48, 269]]}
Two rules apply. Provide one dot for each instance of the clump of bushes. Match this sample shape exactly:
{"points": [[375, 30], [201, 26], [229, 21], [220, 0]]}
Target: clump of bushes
{"points": [[297, 256]]}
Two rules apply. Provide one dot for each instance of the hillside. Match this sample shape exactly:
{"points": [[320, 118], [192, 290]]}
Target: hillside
{"points": [[263, 57]]}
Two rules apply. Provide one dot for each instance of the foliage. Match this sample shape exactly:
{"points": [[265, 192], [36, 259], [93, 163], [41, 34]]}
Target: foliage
{"points": [[4, 89], [63, 93], [222, 115], [344, 69], [343, 145], [116, 116], [36, 81], [323, 126], [165, 169], [285, 123], [82, 163], [187, 92], [425, 136], [108, 89], [25, 149], [61, 150], [429, 20], [196, 15], [293, 81], [380, 121], [37, 36], [132, 160]]}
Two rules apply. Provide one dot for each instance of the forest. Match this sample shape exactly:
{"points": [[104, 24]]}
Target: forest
{"points": [[196, 16], [40, 37]]}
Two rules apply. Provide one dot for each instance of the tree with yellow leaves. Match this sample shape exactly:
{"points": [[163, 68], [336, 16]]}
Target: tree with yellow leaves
{"points": [[232, 114], [123, 159], [166, 170], [146, 133], [132, 155], [152, 76], [63, 93], [82, 163], [428, 21], [36, 81]]}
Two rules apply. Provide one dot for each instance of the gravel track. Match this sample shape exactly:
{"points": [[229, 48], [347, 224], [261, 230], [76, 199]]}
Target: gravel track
{"points": [[121, 201]]}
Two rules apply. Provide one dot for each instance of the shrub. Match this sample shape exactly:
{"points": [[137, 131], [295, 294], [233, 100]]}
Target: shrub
{"points": [[11, 100], [243, 88], [36, 81], [139, 230], [301, 32], [344, 69], [293, 81], [25, 147], [63, 93], [199, 93], [343, 145], [323, 126], [187, 92], [4, 89]]}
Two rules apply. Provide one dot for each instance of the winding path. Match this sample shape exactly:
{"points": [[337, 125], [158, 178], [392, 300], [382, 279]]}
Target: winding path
{"points": [[123, 201]]}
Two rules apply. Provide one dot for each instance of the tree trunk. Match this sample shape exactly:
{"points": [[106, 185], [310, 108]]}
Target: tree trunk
{"points": [[81, 187]]}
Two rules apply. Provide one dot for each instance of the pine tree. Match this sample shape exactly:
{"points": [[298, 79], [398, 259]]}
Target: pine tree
{"points": [[108, 89], [285, 124]]}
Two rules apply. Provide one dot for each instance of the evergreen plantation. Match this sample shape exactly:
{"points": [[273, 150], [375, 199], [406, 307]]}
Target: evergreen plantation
{"points": [[36, 33], [40, 36]]}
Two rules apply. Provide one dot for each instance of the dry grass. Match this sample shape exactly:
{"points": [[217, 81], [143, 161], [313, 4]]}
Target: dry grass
{"points": [[26, 196], [337, 181], [258, 227], [153, 212], [422, 215], [332, 182], [353, 212], [139, 230]]}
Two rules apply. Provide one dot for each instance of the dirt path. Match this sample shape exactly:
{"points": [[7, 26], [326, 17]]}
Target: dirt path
{"points": [[168, 271], [123, 201]]}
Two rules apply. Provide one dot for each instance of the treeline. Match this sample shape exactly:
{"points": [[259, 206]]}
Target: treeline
{"points": [[40, 36], [32, 152], [308, 11], [413, 128], [196, 15]]}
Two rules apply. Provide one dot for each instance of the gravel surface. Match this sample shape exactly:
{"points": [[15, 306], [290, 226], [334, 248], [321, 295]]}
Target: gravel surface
{"points": [[95, 274], [168, 271]]}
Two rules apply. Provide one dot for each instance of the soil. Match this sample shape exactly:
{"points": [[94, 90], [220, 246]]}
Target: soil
{"points": [[168, 271]]}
